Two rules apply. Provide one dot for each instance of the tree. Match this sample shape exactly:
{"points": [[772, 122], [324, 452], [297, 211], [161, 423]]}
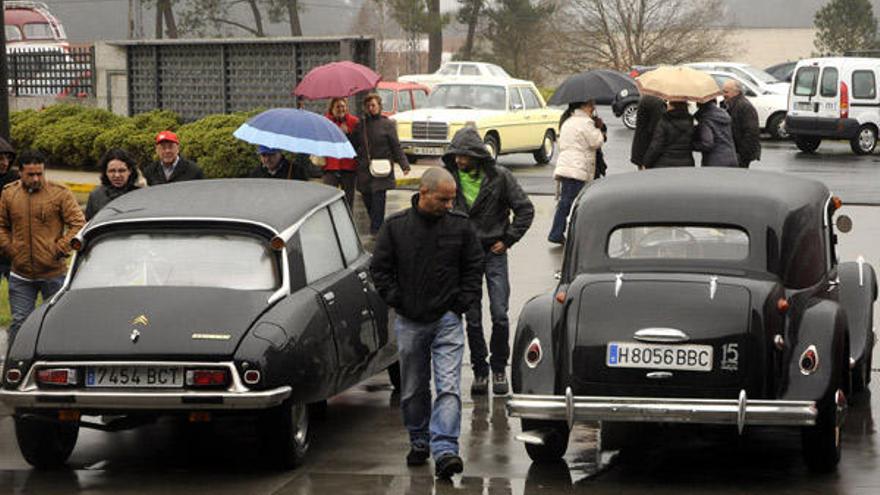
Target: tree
{"points": [[165, 22], [618, 34], [843, 25], [521, 35], [435, 35], [211, 17], [469, 14]]}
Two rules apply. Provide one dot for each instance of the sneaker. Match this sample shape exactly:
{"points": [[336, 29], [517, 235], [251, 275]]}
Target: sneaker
{"points": [[499, 383], [480, 385], [560, 240], [417, 456], [448, 465]]}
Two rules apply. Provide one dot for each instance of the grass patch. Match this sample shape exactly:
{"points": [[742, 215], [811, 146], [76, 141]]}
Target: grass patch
{"points": [[5, 315]]}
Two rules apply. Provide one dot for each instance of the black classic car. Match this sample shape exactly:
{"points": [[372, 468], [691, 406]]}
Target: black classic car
{"points": [[248, 298], [700, 296]]}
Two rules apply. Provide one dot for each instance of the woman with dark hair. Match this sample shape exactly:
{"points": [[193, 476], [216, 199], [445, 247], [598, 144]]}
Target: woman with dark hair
{"points": [[341, 171], [673, 141], [580, 137], [118, 176]]}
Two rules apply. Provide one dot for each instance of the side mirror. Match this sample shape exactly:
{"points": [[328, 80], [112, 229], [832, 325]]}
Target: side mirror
{"points": [[517, 106], [843, 223]]}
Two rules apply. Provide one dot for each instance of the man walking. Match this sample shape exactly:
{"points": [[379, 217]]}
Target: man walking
{"points": [[273, 165], [38, 218], [743, 122], [170, 167], [488, 194], [649, 113], [427, 266]]}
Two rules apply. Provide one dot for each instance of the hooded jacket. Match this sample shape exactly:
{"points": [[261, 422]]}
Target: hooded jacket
{"points": [[746, 129], [672, 143], [424, 266], [650, 110], [714, 138], [36, 228], [499, 194], [578, 141]]}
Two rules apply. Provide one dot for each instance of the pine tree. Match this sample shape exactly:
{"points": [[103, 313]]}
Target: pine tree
{"points": [[843, 25]]}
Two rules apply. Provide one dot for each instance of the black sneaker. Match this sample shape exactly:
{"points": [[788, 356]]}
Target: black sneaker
{"points": [[448, 465], [417, 456], [499, 383], [480, 385]]}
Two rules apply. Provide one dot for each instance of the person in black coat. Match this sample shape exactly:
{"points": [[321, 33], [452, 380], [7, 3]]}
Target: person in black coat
{"points": [[672, 142], [119, 175], [651, 109], [170, 167], [273, 165], [8, 175], [744, 123], [713, 136]]}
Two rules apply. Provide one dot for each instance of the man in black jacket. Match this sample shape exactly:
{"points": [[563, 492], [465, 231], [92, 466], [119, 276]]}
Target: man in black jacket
{"points": [[170, 167], [427, 266], [8, 175], [488, 194], [743, 122], [273, 165], [650, 111]]}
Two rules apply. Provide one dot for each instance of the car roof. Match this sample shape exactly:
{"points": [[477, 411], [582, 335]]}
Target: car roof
{"points": [[712, 62], [484, 80], [397, 85], [838, 61], [271, 203]]}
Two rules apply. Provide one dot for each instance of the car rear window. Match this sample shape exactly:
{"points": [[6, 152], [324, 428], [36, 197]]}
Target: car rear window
{"points": [[228, 261], [829, 82], [678, 242], [805, 81], [864, 85]]}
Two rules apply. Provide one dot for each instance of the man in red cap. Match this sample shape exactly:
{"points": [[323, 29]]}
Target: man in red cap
{"points": [[170, 167]]}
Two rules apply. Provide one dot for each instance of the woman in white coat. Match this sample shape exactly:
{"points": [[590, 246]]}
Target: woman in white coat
{"points": [[579, 138]]}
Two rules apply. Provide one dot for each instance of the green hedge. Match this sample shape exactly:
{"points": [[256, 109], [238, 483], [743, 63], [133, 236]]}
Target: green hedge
{"points": [[74, 136]]}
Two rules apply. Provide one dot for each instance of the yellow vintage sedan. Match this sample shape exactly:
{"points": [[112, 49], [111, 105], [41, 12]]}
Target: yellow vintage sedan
{"points": [[509, 114]]}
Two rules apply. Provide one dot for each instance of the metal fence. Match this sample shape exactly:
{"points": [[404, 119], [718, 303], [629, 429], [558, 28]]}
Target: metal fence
{"points": [[51, 71], [196, 78]]}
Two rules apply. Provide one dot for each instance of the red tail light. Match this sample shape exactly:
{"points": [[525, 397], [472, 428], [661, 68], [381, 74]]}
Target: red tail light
{"points": [[251, 377], [533, 353], [57, 376], [782, 305], [206, 378], [809, 360], [13, 375], [844, 100]]}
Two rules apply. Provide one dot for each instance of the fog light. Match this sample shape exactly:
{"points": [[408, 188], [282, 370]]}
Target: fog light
{"points": [[57, 376], [251, 377], [206, 378], [809, 361], [13, 375], [533, 353]]}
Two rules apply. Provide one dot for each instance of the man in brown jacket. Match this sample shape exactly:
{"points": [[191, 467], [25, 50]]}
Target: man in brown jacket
{"points": [[38, 219]]}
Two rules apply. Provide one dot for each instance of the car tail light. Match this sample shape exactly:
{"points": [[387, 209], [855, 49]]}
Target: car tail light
{"points": [[57, 376], [560, 297], [251, 377], [844, 100], [782, 305], [13, 375], [809, 361], [68, 415], [207, 378], [533, 353], [836, 202]]}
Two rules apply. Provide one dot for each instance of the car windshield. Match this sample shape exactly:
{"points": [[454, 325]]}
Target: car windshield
{"points": [[12, 33], [228, 261], [468, 96], [761, 75], [38, 31], [678, 242]]}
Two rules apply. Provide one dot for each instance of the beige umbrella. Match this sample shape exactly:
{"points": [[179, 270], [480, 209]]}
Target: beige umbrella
{"points": [[675, 83]]}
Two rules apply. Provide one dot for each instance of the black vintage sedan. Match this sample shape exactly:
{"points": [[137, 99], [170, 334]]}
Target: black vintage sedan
{"points": [[201, 299], [702, 296]]}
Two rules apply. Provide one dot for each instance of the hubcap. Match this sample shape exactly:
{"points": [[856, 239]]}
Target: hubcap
{"points": [[867, 139], [780, 130], [629, 116], [548, 146]]}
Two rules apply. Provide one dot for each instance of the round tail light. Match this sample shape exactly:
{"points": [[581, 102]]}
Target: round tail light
{"points": [[533, 353], [13, 375], [251, 377], [809, 361]]}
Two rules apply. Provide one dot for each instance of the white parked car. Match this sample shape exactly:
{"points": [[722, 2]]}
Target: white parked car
{"points": [[771, 107], [754, 76], [453, 70]]}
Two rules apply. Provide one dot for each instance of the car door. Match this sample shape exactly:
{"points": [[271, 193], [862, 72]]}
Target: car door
{"points": [[863, 95], [537, 118], [806, 100], [512, 130], [340, 290]]}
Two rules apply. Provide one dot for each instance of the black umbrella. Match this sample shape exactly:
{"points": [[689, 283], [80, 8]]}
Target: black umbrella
{"points": [[598, 84]]}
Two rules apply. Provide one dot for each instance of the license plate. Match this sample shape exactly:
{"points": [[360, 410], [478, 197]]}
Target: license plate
{"points": [[659, 356], [803, 105], [428, 150], [135, 376]]}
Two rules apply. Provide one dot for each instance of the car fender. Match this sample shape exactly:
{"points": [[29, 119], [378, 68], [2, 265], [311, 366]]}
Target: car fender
{"points": [[535, 322], [21, 351], [823, 325], [858, 291]]}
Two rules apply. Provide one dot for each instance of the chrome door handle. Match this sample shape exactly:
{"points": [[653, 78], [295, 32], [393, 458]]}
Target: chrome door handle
{"points": [[363, 276], [329, 297]]}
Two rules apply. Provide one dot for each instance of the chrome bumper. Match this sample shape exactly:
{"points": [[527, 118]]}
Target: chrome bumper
{"points": [[738, 412]]}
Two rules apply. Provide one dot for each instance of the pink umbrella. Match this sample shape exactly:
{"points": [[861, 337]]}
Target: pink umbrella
{"points": [[336, 80]]}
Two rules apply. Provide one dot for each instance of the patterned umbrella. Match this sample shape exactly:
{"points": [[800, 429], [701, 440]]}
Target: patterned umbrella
{"points": [[336, 80], [298, 131], [674, 83]]}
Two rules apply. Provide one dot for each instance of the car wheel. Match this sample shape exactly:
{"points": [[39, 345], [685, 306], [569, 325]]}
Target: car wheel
{"points": [[286, 433], [545, 153], [492, 145], [394, 375], [45, 443], [864, 142], [821, 442], [556, 442], [807, 144], [776, 126], [630, 112]]}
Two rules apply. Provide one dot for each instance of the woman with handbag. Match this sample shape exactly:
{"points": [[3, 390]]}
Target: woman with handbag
{"points": [[377, 149]]}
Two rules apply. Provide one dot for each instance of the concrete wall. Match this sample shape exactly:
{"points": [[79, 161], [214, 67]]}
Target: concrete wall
{"points": [[765, 47], [111, 77]]}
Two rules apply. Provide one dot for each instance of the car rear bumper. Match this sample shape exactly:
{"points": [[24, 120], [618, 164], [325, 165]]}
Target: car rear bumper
{"points": [[822, 127], [738, 412]]}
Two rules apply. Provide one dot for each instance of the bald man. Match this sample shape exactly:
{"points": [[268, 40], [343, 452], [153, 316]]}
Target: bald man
{"points": [[427, 265], [743, 122]]}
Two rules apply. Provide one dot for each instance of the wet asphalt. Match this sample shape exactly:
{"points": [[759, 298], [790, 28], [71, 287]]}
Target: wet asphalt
{"points": [[359, 447]]}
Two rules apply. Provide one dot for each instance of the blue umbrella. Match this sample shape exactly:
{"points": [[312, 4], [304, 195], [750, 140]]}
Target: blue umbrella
{"points": [[298, 131]]}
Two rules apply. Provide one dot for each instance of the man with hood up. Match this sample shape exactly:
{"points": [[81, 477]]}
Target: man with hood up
{"points": [[488, 194], [714, 137]]}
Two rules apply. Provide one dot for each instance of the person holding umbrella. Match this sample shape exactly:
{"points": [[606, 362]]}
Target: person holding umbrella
{"points": [[580, 137], [375, 139], [341, 171], [273, 165]]}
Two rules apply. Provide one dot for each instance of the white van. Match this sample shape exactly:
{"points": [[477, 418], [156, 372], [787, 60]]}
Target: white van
{"points": [[835, 98]]}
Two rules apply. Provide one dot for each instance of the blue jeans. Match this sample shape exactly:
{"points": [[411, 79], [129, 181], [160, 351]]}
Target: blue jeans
{"points": [[570, 190], [498, 286], [23, 298], [420, 345], [375, 203]]}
